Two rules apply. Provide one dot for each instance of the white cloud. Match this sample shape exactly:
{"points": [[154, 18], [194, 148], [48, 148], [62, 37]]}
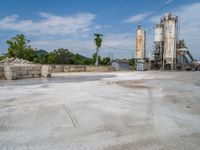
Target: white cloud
{"points": [[53, 32], [86, 46], [121, 45], [49, 24], [137, 18], [102, 26], [121, 40], [155, 19], [169, 1], [73, 44]]}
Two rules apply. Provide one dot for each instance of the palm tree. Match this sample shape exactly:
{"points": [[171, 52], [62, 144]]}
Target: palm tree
{"points": [[97, 41]]}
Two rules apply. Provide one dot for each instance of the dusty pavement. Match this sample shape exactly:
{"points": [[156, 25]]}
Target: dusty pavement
{"points": [[102, 111]]}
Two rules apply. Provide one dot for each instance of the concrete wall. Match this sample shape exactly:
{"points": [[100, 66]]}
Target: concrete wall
{"points": [[98, 69], [22, 71], [79, 68], [11, 72], [68, 68]]}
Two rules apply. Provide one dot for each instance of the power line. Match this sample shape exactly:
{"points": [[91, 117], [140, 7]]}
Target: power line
{"points": [[151, 14], [124, 11], [127, 9], [110, 17], [120, 49]]}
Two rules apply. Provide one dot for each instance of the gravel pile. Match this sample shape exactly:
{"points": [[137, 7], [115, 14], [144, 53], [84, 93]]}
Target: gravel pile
{"points": [[13, 61]]}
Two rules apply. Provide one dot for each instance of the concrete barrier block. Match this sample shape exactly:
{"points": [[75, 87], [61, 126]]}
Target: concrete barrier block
{"points": [[37, 75], [7, 68], [98, 69], [57, 68], [38, 67], [23, 71], [30, 72], [27, 76], [46, 71], [30, 68], [66, 66]]}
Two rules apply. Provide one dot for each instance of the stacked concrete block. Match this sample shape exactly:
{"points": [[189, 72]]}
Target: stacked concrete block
{"points": [[9, 73], [22, 71], [77, 68], [66, 68], [80, 68], [15, 68], [57, 68], [46, 71], [98, 69]]}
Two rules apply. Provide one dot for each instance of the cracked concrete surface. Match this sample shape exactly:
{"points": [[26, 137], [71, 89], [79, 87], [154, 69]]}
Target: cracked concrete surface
{"points": [[102, 111]]}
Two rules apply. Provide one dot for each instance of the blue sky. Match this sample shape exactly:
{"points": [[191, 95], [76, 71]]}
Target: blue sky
{"points": [[52, 24]]}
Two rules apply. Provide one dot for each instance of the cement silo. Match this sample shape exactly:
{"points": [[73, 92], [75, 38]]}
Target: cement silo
{"points": [[140, 52], [140, 43], [169, 23], [158, 34], [169, 52], [165, 39], [158, 46]]}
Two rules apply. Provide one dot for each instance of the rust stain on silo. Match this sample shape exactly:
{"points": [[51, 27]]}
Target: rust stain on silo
{"points": [[140, 43]]}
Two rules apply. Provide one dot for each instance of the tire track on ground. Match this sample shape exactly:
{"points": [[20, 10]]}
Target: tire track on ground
{"points": [[6, 115], [71, 116], [4, 123]]}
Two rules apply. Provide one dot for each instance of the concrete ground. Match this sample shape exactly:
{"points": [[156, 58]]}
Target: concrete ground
{"points": [[102, 111]]}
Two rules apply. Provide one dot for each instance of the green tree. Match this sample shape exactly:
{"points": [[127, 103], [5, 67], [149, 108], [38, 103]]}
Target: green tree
{"points": [[105, 61], [132, 63], [98, 41], [88, 61], [60, 56], [2, 57], [94, 58], [51, 58], [19, 47], [41, 57], [64, 56]]}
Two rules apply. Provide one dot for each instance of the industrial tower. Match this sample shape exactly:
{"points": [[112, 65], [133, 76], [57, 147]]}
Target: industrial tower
{"points": [[140, 52], [169, 52]]}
